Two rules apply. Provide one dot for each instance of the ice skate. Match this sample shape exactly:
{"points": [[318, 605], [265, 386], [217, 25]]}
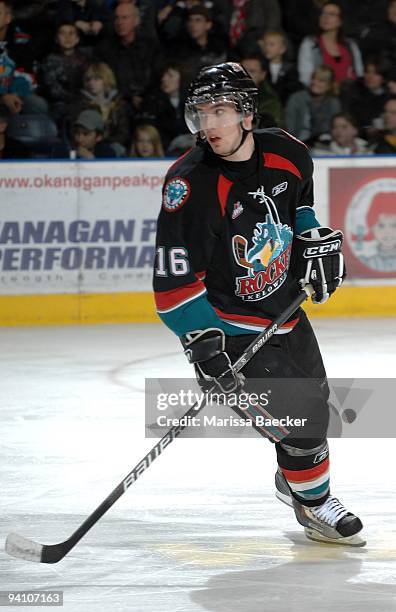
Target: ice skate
{"points": [[330, 523], [282, 489]]}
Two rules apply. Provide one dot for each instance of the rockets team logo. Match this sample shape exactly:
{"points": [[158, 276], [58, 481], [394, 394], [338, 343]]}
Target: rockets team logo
{"points": [[267, 258]]}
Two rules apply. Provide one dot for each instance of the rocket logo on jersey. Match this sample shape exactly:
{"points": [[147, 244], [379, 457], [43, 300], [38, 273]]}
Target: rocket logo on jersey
{"points": [[267, 260]]}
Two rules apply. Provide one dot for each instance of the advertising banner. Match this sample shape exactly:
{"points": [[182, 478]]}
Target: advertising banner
{"points": [[362, 202], [78, 227], [89, 227]]}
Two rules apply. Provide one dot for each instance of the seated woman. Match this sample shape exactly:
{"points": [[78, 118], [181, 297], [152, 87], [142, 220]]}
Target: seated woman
{"points": [[146, 142], [330, 47], [344, 138]]}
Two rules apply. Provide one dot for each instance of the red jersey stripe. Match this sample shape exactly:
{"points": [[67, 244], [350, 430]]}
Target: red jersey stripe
{"points": [[272, 160], [252, 320], [293, 138], [223, 189], [167, 300], [306, 475], [179, 160]]}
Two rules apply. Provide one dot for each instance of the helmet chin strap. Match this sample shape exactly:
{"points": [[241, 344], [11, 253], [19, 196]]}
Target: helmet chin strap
{"points": [[202, 142], [245, 134]]}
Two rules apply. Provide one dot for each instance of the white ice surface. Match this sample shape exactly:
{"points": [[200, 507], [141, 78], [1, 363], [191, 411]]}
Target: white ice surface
{"points": [[201, 530]]}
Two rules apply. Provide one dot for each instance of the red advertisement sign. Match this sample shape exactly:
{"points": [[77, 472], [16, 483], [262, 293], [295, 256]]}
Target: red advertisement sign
{"points": [[363, 205]]}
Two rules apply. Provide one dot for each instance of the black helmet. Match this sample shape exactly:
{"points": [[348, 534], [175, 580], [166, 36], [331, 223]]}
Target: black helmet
{"points": [[229, 81]]}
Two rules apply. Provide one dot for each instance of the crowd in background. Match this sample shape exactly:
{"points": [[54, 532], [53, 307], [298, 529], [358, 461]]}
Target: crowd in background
{"points": [[107, 78]]}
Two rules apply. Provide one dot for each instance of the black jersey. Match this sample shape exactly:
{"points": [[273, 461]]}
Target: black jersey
{"points": [[225, 235]]}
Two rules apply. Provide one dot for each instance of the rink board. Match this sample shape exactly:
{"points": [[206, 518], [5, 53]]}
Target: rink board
{"points": [[77, 239], [375, 301]]}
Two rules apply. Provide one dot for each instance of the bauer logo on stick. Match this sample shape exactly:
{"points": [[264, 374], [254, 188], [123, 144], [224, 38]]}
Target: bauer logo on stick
{"points": [[176, 193]]}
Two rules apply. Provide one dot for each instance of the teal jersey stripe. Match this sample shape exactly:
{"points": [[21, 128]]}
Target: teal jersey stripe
{"points": [[305, 220], [197, 314]]}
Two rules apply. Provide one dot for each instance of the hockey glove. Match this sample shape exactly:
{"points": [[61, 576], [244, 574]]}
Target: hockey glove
{"points": [[206, 351], [319, 261]]}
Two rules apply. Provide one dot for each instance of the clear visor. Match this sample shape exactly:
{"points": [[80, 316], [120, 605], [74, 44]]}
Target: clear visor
{"points": [[218, 112]]}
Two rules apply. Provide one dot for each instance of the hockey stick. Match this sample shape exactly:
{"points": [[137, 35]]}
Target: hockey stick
{"points": [[24, 548]]}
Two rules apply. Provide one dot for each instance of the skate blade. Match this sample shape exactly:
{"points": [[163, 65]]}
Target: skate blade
{"points": [[354, 540], [284, 498]]}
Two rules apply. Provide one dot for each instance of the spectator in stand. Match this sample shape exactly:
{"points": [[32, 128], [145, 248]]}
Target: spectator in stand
{"points": [[180, 145], [381, 37], [249, 19], [198, 47], [366, 96], [299, 19], [34, 26], [100, 93], [89, 18], [163, 106], [361, 16], [10, 148], [330, 48], [173, 15], [270, 110], [128, 53], [146, 142], [282, 74], [60, 73], [344, 138], [88, 136], [391, 80], [171, 18], [147, 13], [309, 112], [17, 78], [386, 141]]}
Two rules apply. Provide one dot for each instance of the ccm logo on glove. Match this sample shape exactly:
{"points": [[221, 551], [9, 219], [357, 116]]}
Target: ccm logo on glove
{"points": [[323, 249]]}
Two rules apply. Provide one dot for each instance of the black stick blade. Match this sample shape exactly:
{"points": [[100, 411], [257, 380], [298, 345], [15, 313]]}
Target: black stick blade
{"points": [[23, 548]]}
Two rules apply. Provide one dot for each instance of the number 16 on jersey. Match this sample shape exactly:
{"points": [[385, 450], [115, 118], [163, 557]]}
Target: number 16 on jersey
{"points": [[173, 261]]}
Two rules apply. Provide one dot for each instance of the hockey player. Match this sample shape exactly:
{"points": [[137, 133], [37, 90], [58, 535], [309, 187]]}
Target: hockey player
{"points": [[236, 232]]}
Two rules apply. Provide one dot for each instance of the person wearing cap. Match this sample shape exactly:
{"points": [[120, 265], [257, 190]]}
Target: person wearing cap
{"points": [[88, 136]]}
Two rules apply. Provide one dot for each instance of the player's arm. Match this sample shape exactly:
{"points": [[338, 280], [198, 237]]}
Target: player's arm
{"points": [[186, 233], [317, 250]]}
